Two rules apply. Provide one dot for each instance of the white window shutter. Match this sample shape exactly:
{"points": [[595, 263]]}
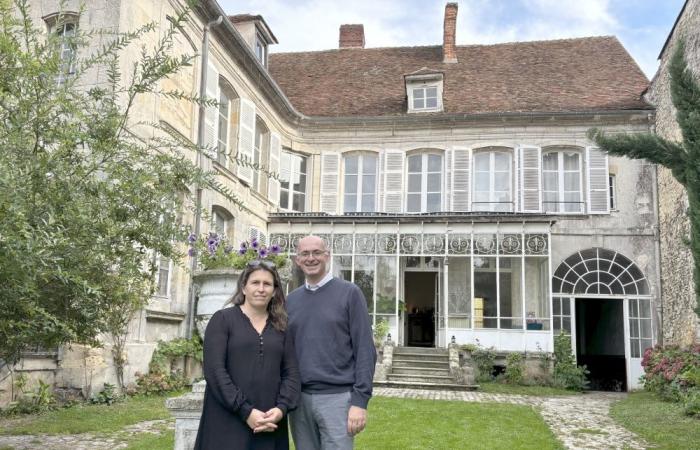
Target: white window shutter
{"points": [[598, 195], [254, 234], [393, 180], [211, 113], [273, 185], [447, 182], [461, 179], [246, 139], [330, 175], [530, 179]]}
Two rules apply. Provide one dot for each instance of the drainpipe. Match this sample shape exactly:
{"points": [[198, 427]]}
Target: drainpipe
{"points": [[200, 163]]}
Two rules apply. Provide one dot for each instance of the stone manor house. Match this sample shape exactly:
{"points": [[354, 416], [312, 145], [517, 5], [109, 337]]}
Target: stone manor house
{"points": [[454, 184]]}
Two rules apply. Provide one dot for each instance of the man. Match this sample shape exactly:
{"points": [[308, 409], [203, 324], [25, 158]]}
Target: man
{"points": [[330, 325]]}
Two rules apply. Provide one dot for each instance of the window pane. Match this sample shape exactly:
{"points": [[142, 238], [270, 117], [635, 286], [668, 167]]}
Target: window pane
{"points": [[342, 267], [434, 182], [386, 284], [431, 103], [368, 184], [418, 93], [415, 163], [550, 161], [369, 164], [571, 161], [418, 103], [551, 181], [537, 282], [510, 292], [644, 308], [350, 203], [645, 328], [572, 181], [501, 181], [459, 286], [414, 183], [364, 278], [566, 307], [481, 162], [368, 203], [351, 164], [434, 203], [502, 161], [284, 199], [300, 185], [634, 328], [413, 203], [434, 163], [351, 184], [484, 292], [431, 92], [298, 204], [481, 181]]}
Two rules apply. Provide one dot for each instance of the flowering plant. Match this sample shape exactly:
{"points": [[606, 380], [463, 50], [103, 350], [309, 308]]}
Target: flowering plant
{"points": [[215, 252]]}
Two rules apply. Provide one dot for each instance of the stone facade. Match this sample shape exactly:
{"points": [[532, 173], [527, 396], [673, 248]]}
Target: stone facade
{"points": [[680, 324]]}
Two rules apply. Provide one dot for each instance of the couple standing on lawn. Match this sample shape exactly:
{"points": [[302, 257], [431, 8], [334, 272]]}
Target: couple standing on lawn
{"points": [[260, 353]]}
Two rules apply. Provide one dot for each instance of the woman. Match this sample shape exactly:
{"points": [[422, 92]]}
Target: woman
{"points": [[250, 367]]}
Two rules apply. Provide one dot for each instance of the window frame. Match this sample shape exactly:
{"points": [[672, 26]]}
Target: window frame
{"points": [[424, 175], [260, 49], [359, 187], [56, 24], [260, 149], [492, 204], [226, 142], [424, 97], [287, 155], [561, 186], [159, 270], [612, 191]]}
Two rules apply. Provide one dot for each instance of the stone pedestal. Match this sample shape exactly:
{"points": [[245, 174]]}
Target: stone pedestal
{"points": [[187, 411]]}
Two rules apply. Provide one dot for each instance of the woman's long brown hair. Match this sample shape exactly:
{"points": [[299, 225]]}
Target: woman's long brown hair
{"points": [[276, 309]]}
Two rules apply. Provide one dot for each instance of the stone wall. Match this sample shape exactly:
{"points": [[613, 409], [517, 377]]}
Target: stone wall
{"points": [[680, 324]]}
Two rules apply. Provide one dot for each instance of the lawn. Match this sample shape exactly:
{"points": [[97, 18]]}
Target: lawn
{"points": [[393, 423], [662, 424]]}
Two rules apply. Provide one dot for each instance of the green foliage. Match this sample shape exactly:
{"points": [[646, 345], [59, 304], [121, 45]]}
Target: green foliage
{"points": [[691, 403], [88, 194], [159, 383], [515, 368], [35, 401], [381, 329], [673, 373], [215, 252], [166, 352], [483, 359], [683, 158], [107, 396], [567, 374]]}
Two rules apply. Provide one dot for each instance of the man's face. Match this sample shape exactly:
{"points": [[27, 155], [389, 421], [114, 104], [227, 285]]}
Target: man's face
{"points": [[312, 257]]}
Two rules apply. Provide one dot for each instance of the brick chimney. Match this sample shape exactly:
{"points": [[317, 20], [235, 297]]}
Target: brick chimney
{"points": [[449, 49], [352, 36]]}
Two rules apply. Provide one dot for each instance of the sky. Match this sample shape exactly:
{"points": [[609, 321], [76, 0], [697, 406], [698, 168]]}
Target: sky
{"points": [[304, 25]]}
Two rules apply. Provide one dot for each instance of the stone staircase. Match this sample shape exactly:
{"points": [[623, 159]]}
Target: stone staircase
{"points": [[421, 368]]}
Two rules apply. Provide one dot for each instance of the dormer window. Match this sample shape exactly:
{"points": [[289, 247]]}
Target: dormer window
{"points": [[424, 91], [261, 49], [256, 33]]}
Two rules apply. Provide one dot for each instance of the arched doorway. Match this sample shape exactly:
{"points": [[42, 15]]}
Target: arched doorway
{"points": [[602, 298]]}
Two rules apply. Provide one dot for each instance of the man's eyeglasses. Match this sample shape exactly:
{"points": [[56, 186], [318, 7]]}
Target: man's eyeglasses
{"points": [[315, 254], [260, 262]]}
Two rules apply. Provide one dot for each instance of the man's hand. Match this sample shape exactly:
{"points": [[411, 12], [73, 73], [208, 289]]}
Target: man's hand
{"points": [[269, 421], [357, 419]]}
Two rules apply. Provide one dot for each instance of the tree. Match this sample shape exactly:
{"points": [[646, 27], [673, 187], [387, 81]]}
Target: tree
{"points": [[683, 158], [87, 195]]}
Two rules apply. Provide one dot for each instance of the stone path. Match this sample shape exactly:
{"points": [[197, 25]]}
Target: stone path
{"points": [[578, 421]]}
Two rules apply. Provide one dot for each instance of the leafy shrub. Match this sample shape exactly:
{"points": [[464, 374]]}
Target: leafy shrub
{"points": [[515, 368], [158, 383], [166, 352], [673, 373], [567, 374], [483, 359], [381, 329], [107, 396], [37, 401]]}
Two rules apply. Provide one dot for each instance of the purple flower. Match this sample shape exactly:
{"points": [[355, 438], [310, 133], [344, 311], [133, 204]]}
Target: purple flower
{"points": [[262, 253], [254, 243], [244, 244], [275, 249], [192, 238], [191, 251], [242, 251]]}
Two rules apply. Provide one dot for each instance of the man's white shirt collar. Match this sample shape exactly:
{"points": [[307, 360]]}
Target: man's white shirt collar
{"points": [[324, 280]]}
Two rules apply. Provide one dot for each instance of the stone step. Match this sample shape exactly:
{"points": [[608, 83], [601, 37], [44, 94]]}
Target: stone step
{"points": [[422, 364], [425, 386], [406, 357], [438, 379], [419, 371], [420, 350]]}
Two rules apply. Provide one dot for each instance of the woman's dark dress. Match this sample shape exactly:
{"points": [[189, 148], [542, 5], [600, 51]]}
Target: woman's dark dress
{"points": [[245, 370]]}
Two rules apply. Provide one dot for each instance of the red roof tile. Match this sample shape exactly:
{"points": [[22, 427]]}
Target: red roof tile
{"points": [[586, 74]]}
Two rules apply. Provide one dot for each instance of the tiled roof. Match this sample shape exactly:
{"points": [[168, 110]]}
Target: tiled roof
{"points": [[586, 74]]}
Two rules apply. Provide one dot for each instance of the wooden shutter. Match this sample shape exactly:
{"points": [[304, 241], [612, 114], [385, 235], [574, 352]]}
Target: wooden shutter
{"points": [[530, 179], [246, 139], [211, 113], [330, 175], [461, 179], [273, 185], [597, 165], [254, 233], [447, 181], [393, 180]]}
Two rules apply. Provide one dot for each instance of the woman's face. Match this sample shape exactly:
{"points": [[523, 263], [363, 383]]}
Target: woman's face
{"points": [[259, 288]]}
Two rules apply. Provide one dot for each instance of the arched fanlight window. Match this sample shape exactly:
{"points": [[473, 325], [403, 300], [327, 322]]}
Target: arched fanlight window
{"points": [[599, 271]]}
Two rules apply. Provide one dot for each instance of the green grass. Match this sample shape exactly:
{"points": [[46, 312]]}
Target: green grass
{"points": [[540, 391], [99, 419], [148, 441], [435, 424], [662, 424]]}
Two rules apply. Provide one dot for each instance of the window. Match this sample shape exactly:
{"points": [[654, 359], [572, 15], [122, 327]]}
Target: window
{"points": [[260, 49], [360, 171], [424, 193], [425, 98], [613, 192], [292, 181], [492, 182], [221, 221], [222, 148], [561, 182], [163, 277], [64, 28], [262, 140]]}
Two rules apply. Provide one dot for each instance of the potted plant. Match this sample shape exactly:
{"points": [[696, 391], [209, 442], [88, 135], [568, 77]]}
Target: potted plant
{"points": [[220, 265]]}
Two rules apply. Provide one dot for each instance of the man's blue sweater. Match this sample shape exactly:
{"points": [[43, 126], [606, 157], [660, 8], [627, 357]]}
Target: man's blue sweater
{"points": [[333, 339]]}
